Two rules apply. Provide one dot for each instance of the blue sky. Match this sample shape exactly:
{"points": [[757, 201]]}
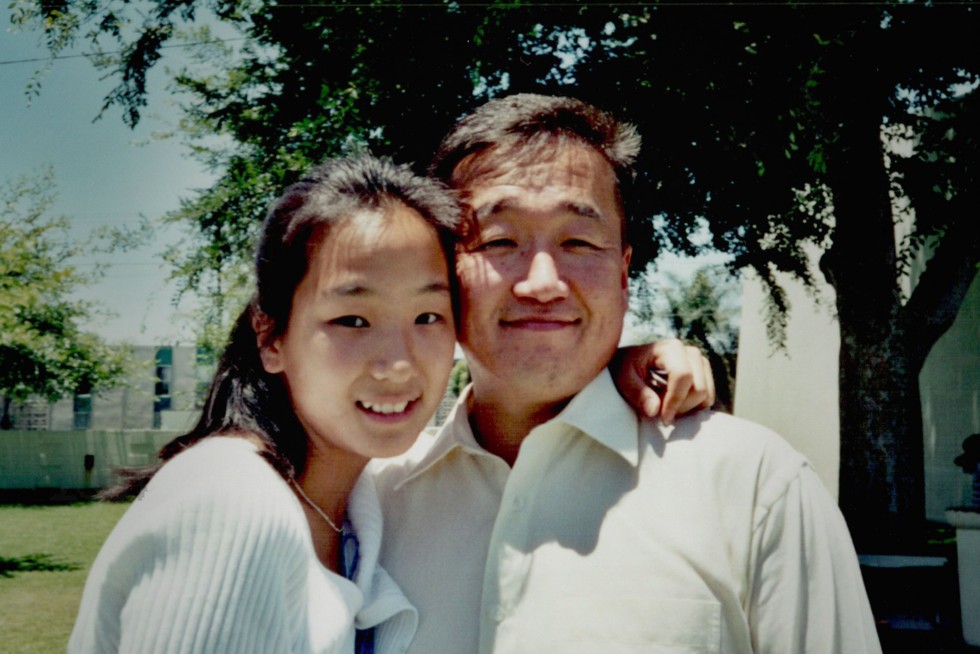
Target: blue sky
{"points": [[106, 173]]}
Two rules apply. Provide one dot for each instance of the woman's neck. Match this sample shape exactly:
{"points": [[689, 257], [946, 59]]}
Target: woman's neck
{"points": [[327, 481]]}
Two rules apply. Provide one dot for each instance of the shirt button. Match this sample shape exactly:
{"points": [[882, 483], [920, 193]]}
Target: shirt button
{"points": [[498, 614], [519, 504]]}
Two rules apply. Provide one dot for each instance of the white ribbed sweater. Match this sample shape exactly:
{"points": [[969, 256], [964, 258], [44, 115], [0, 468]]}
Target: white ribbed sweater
{"points": [[216, 556]]}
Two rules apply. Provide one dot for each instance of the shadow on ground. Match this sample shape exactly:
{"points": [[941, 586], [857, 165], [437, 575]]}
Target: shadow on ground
{"points": [[32, 563]]}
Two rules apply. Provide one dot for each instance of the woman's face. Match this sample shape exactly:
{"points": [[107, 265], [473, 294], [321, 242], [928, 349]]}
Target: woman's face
{"points": [[369, 344]]}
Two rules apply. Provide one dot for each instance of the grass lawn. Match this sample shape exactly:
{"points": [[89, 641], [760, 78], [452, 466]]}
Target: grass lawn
{"points": [[38, 606]]}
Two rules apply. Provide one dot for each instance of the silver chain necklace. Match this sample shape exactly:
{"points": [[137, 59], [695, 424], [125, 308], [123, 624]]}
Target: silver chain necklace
{"points": [[315, 507]]}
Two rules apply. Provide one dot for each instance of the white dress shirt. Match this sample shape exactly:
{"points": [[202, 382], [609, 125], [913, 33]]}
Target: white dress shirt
{"points": [[613, 534]]}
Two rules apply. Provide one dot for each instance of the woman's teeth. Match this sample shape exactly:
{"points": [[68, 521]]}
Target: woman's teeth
{"points": [[385, 408]]}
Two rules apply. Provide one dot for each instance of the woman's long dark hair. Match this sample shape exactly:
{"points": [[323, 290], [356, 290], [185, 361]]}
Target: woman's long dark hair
{"points": [[243, 398]]}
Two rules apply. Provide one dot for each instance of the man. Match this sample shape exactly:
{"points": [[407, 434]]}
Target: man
{"points": [[545, 516]]}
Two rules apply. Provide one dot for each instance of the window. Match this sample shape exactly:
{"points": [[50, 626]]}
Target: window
{"points": [[162, 400], [33, 414], [205, 364], [82, 411]]}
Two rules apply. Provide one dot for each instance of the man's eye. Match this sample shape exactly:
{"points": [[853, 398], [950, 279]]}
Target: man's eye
{"points": [[428, 318], [496, 243], [579, 243], [350, 321]]}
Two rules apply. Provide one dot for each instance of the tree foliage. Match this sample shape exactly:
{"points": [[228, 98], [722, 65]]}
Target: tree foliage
{"points": [[43, 350], [459, 377], [701, 310], [776, 124]]}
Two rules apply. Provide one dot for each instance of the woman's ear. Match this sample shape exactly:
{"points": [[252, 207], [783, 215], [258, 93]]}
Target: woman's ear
{"points": [[270, 351]]}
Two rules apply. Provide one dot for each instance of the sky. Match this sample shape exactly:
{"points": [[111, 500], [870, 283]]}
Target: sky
{"points": [[106, 174]]}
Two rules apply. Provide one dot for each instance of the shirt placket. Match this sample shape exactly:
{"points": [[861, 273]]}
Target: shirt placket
{"points": [[508, 561]]}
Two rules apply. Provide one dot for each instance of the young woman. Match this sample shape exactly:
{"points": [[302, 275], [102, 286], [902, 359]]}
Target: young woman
{"points": [[257, 532]]}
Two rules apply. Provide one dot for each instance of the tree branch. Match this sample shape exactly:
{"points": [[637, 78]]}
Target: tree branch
{"points": [[937, 297]]}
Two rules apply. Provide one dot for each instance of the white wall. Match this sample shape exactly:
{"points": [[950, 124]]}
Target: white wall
{"points": [[950, 387], [795, 393]]}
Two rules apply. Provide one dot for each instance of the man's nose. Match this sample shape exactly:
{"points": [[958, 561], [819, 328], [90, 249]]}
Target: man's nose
{"points": [[543, 280]]}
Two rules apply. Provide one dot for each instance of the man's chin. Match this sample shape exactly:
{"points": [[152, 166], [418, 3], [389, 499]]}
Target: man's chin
{"points": [[554, 381]]}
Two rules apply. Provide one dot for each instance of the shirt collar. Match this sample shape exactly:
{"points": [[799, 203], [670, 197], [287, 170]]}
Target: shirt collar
{"points": [[455, 433], [598, 411]]}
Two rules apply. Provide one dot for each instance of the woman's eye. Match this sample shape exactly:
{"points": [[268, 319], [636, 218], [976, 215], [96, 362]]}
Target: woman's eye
{"points": [[428, 318], [350, 321]]}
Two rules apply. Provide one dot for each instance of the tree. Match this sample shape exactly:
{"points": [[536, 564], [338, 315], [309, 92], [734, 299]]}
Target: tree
{"points": [[459, 377], [783, 147], [773, 123], [700, 310], [43, 350]]}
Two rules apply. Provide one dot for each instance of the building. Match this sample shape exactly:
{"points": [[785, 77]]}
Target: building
{"points": [[162, 392]]}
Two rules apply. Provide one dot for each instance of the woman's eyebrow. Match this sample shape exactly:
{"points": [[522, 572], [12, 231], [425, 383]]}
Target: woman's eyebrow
{"points": [[359, 290], [435, 287]]}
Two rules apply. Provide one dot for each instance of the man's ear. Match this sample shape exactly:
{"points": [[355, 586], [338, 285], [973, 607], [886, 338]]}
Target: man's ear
{"points": [[627, 257], [270, 348]]}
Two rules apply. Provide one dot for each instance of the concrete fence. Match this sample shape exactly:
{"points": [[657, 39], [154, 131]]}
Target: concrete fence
{"points": [[73, 459]]}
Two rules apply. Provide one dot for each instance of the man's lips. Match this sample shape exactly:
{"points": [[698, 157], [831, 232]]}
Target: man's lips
{"points": [[540, 323]]}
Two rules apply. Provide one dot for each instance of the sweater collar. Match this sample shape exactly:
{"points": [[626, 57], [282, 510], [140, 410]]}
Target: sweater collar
{"points": [[384, 603]]}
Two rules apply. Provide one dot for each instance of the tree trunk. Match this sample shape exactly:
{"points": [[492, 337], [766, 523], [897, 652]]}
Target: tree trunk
{"points": [[882, 489]]}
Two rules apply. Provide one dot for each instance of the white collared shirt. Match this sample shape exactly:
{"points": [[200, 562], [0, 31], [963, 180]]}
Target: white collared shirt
{"points": [[617, 535]]}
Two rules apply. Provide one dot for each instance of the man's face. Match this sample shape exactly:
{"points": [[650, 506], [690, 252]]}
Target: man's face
{"points": [[543, 280]]}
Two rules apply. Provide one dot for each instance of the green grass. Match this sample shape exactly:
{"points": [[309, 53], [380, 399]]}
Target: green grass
{"points": [[45, 555]]}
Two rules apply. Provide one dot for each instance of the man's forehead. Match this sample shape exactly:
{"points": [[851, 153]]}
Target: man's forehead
{"points": [[572, 179], [533, 168]]}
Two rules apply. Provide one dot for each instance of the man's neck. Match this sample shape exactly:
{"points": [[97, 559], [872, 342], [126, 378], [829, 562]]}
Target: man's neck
{"points": [[500, 426]]}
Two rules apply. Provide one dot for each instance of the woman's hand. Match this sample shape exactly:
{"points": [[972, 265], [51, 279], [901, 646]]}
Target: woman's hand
{"points": [[667, 378]]}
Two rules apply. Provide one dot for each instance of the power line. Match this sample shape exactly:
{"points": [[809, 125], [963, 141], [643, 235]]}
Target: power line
{"points": [[115, 52]]}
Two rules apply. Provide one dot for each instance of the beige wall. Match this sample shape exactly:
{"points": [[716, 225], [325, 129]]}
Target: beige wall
{"points": [[56, 459], [950, 387], [795, 392], [792, 391]]}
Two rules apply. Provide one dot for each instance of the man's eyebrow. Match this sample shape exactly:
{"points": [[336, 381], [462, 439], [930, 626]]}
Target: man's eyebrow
{"points": [[350, 290], [584, 210], [577, 208], [487, 210]]}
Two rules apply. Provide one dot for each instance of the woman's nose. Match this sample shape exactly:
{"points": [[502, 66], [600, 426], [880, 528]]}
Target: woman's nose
{"points": [[395, 362]]}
